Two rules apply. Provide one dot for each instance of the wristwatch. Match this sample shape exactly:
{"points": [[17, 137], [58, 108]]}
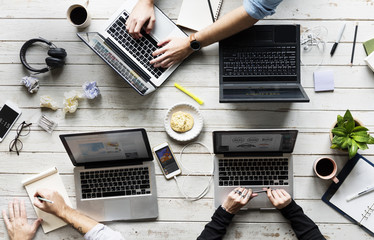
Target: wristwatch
{"points": [[194, 44]]}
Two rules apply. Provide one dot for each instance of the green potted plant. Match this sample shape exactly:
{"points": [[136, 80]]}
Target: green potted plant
{"points": [[349, 134]]}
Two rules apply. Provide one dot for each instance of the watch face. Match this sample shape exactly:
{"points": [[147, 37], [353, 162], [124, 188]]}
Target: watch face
{"points": [[195, 45]]}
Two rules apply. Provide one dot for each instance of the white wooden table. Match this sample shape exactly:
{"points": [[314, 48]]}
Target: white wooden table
{"points": [[121, 107]]}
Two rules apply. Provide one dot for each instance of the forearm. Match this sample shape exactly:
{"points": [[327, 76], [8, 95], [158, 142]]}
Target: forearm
{"points": [[77, 220], [230, 24], [303, 226], [216, 228]]}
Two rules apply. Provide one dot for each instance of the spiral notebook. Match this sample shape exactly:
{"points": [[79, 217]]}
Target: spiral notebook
{"points": [[356, 176], [49, 179], [196, 15]]}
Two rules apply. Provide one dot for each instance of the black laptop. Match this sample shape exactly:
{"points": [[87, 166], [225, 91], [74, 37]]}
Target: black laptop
{"points": [[261, 64]]}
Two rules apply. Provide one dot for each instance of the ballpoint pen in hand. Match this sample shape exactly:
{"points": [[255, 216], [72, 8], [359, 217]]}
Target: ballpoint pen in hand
{"points": [[337, 40]]}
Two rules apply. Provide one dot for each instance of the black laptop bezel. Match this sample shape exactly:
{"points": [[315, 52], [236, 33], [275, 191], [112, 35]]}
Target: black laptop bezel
{"points": [[255, 131], [252, 84], [108, 163]]}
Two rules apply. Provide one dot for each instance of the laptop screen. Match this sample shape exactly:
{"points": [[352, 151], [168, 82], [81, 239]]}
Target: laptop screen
{"points": [[111, 146], [270, 141]]}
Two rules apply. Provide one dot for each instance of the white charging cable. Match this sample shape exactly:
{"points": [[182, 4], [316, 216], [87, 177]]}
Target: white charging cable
{"points": [[314, 38], [181, 186]]}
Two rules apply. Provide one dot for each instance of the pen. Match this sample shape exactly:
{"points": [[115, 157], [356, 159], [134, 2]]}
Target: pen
{"points": [[211, 10], [44, 199], [337, 40], [354, 44], [189, 93], [367, 190]]}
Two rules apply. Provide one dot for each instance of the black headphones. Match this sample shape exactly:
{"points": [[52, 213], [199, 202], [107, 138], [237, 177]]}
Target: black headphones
{"points": [[56, 59]]}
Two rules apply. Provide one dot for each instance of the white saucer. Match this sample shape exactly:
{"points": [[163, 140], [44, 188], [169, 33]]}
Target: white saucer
{"points": [[196, 129]]}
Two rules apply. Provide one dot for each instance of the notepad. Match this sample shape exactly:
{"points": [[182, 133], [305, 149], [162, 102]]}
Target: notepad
{"points": [[196, 15], [323, 81], [357, 175], [48, 179], [369, 46]]}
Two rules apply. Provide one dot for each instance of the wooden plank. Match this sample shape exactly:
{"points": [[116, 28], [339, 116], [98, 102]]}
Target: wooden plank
{"points": [[292, 9]]}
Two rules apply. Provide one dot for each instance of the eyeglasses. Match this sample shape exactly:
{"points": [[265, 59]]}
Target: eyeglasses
{"points": [[22, 130]]}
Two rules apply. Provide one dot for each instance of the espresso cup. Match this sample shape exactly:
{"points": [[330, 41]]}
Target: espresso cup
{"points": [[78, 15], [326, 168]]}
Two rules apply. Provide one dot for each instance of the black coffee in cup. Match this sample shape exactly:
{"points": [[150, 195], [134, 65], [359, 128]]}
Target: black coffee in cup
{"points": [[78, 15], [325, 167]]}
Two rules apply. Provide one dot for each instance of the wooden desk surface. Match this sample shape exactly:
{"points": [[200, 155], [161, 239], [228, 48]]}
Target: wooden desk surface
{"points": [[121, 107]]}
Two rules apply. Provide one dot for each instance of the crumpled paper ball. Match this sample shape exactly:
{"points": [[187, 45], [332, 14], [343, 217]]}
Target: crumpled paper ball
{"points": [[71, 101], [47, 102], [91, 90], [32, 83]]}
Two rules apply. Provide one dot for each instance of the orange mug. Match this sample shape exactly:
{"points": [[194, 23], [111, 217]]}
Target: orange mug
{"points": [[326, 168]]}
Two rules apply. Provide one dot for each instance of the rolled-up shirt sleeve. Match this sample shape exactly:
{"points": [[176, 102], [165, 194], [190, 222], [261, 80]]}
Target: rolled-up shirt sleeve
{"points": [[258, 9], [102, 232]]}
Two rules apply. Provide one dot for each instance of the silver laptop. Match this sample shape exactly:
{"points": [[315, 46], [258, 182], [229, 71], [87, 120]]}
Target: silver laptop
{"points": [[114, 174], [253, 159], [130, 57]]}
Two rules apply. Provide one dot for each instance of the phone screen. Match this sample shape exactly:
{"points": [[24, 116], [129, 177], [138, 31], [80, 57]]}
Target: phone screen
{"points": [[167, 160], [7, 117]]}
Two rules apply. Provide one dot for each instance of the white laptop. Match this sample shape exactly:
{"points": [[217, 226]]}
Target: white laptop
{"points": [[114, 174], [253, 159], [130, 57]]}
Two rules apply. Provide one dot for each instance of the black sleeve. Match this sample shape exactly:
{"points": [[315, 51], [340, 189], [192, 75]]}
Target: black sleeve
{"points": [[303, 226], [216, 228]]}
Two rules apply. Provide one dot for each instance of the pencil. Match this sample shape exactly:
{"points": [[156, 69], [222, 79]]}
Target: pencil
{"points": [[189, 93], [354, 44], [211, 10]]}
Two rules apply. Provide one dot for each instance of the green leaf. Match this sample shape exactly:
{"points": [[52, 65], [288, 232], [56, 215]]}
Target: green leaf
{"points": [[334, 146], [361, 133], [348, 116], [362, 146], [340, 120], [362, 139], [353, 149], [346, 143], [359, 129], [371, 140], [339, 131], [338, 140]]}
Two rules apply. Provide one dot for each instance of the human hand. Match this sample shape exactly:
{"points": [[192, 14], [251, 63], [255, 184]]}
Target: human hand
{"points": [[279, 197], [17, 225], [143, 14], [58, 207], [173, 50], [237, 198]]}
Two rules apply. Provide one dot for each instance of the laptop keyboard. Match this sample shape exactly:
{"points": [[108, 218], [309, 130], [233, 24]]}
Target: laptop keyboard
{"points": [[130, 76], [242, 172], [141, 49], [260, 61], [115, 182]]}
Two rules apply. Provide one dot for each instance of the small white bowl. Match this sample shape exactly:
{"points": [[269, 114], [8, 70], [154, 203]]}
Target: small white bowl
{"points": [[197, 126]]}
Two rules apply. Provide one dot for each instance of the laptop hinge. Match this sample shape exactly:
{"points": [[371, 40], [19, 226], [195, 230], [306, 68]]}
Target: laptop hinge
{"points": [[111, 164], [257, 154], [127, 60]]}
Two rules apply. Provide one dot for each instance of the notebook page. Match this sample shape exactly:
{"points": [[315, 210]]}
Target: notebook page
{"points": [[48, 179], [361, 176], [195, 14]]}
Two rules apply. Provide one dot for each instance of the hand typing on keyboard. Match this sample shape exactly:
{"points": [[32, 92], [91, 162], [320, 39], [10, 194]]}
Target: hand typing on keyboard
{"points": [[237, 198], [142, 16], [173, 50]]}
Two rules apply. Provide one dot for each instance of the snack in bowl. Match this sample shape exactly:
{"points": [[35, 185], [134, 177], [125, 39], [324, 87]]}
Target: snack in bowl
{"points": [[181, 122]]}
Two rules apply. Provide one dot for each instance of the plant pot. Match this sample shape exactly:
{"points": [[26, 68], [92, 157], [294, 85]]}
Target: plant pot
{"points": [[357, 123]]}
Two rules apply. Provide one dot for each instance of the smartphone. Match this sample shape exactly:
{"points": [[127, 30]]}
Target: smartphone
{"points": [[9, 114], [166, 160]]}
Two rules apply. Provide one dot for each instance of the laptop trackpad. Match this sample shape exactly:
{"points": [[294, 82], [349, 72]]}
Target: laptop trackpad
{"points": [[117, 209]]}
